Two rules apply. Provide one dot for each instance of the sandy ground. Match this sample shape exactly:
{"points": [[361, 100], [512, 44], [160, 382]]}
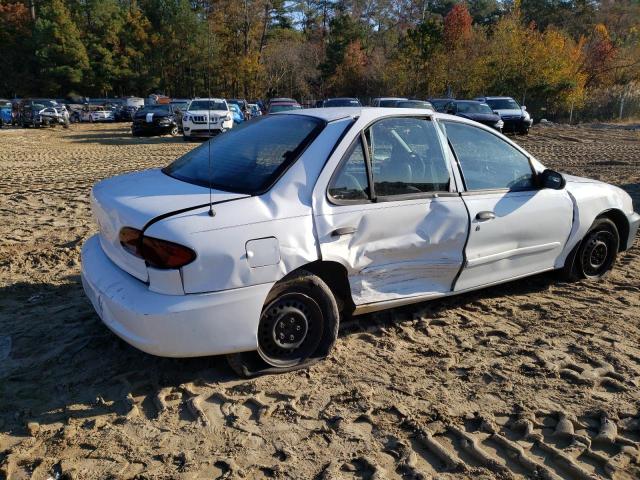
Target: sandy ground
{"points": [[534, 379]]}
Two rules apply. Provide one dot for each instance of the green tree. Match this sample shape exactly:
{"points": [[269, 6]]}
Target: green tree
{"points": [[60, 54]]}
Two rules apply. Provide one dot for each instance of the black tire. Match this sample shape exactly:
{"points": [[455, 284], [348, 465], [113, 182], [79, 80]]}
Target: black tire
{"points": [[298, 326], [524, 131], [595, 256], [174, 132]]}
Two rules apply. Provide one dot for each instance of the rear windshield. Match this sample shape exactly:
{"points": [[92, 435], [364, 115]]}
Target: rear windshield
{"points": [[389, 102], [472, 107], [250, 157], [413, 104], [503, 104], [283, 108], [342, 102]]}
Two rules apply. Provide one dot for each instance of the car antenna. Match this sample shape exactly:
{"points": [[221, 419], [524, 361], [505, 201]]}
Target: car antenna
{"points": [[211, 212]]}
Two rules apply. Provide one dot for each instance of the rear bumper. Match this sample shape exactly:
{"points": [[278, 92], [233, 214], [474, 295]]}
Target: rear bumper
{"points": [[170, 325], [634, 224]]}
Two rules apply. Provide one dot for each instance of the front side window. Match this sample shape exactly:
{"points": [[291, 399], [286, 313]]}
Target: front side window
{"points": [[351, 182], [250, 157], [406, 157], [487, 161]]}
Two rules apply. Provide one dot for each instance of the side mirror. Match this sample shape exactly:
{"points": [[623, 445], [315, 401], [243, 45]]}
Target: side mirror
{"points": [[551, 179], [523, 107]]}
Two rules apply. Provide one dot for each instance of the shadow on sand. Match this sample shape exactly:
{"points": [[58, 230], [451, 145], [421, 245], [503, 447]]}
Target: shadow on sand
{"points": [[120, 136], [64, 363]]}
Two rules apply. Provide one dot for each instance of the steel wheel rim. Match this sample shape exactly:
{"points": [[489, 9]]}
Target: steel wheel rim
{"points": [[598, 253], [290, 330]]}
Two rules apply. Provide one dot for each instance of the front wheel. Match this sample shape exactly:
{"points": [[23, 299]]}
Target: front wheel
{"points": [[597, 252], [174, 131], [298, 326]]}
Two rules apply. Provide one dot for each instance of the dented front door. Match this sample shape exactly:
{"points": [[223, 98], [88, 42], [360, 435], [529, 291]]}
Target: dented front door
{"points": [[405, 236], [397, 249]]}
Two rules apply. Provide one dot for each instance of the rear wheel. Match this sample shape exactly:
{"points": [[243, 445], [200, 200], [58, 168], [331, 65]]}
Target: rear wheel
{"points": [[597, 252], [298, 326]]}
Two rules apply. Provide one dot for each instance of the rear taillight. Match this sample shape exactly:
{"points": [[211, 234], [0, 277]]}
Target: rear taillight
{"points": [[130, 240], [155, 252]]}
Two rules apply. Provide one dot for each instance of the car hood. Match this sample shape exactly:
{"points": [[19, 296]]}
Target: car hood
{"points": [[481, 117], [135, 200]]}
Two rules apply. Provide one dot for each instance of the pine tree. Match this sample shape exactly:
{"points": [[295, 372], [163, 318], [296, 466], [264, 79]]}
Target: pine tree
{"points": [[61, 57]]}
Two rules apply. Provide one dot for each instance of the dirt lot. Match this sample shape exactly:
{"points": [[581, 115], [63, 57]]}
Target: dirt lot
{"points": [[534, 379]]}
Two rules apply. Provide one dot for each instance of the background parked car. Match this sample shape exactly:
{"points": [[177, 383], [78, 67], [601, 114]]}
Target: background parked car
{"points": [[515, 117], [100, 114], [6, 113], [440, 104], [385, 101], [341, 102], [236, 113], [38, 112], [476, 111], [283, 106], [206, 117], [180, 106], [413, 104], [254, 110], [158, 119]]}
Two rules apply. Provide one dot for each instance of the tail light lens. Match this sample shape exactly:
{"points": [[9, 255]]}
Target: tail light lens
{"points": [[156, 252]]}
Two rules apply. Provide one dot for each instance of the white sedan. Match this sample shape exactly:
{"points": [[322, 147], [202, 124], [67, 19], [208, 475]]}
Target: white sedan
{"points": [[257, 243], [99, 115]]}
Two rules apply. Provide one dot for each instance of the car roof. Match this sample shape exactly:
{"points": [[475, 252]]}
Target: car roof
{"points": [[495, 97], [332, 114]]}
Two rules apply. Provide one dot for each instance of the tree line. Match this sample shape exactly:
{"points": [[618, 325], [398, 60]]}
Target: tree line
{"points": [[559, 57]]}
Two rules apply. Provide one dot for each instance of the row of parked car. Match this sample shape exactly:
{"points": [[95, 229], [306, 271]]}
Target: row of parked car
{"points": [[501, 113], [205, 117], [196, 118]]}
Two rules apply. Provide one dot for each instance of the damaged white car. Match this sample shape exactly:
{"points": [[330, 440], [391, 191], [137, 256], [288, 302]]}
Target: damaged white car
{"points": [[258, 242]]}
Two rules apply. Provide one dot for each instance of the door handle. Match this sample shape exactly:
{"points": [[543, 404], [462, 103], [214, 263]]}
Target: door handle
{"points": [[338, 232], [484, 216]]}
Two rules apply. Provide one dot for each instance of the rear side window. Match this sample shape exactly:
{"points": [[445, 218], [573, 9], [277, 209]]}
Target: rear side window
{"points": [[250, 157], [406, 157], [487, 161], [351, 182]]}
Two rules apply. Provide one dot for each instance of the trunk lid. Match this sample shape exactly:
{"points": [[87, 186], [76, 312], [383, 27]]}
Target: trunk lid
{"points": [[134, 199]]}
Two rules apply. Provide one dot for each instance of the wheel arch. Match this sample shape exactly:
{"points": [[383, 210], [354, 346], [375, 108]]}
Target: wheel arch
{"points": [[335, 275], [620, 221]]}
